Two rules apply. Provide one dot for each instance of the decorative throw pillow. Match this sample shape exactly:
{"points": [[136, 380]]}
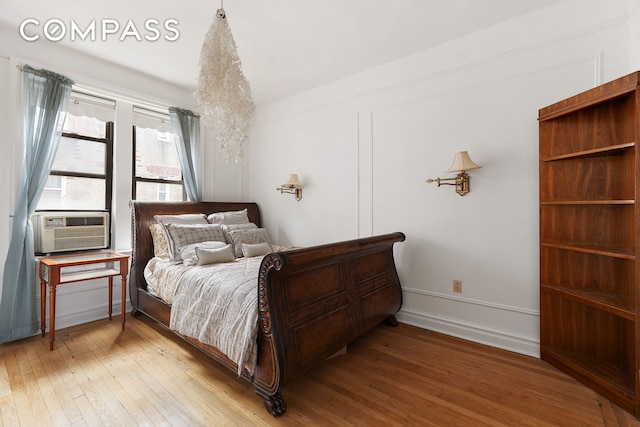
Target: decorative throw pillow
{"points": [[163, 220], [160, 246], [227, 228], [188, 252], [179, 235], [231, 217], [214, 256], [256, 249], [238, 237]]}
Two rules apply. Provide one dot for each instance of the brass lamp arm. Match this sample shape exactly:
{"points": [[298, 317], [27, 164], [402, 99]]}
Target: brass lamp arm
{"points": [[461, 182], [439, 181], [291, 190]]}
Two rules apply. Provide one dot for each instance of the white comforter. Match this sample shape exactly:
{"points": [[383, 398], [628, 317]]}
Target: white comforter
{"points": [[216, 304]]}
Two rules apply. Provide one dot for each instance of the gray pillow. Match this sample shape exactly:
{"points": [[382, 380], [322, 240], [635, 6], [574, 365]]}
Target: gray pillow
{"points": [[227, 228], [179, 235], [238, 237]]}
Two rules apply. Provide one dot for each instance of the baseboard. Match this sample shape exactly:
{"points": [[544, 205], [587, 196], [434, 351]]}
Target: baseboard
{"points": [[86, 315], [529, 346]]}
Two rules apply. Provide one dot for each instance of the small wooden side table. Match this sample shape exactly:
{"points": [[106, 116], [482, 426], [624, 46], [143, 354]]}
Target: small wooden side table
{"points": [[62, 269]]}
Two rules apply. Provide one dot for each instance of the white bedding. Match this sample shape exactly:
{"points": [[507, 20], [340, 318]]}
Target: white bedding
{"points": [[162, 278], [216, 304]]}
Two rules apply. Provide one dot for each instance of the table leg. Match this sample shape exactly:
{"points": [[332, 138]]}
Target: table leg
{"points": [[52, 315], [124, 300], [110, 296], [43, 306]]}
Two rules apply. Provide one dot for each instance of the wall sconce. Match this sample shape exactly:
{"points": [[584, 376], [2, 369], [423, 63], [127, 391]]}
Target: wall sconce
{"points": [[292, 186], [461, 163]]}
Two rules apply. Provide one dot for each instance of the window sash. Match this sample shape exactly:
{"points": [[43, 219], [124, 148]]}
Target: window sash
{"points": [[139, 181], [106, 176]]}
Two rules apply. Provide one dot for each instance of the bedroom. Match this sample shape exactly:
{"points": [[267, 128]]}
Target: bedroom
{"points": [[396, 124]]}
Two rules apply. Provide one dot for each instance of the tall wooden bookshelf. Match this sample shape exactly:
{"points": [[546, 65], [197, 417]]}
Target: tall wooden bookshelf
{"points": [[589, 225]]}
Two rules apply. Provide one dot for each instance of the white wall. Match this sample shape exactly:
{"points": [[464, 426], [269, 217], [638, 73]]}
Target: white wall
{"points": [[634, 34], [363, 147]]}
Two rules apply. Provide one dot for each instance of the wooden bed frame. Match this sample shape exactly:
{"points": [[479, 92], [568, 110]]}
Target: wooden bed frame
{"points": [[312, 302]]}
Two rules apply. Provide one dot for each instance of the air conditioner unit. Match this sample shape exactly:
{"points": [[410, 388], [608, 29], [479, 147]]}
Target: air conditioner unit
{"points": [[70, 231]]}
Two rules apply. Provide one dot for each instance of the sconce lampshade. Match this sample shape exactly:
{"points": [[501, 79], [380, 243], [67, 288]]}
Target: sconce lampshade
{"points": [[462, 162], [293, 182]]}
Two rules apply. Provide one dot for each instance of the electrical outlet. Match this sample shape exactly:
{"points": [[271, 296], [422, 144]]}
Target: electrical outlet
{"points": [[457, 286]]}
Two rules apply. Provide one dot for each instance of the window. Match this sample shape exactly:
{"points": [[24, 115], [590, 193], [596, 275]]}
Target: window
{"points": [[157, 172], [81, 176]]}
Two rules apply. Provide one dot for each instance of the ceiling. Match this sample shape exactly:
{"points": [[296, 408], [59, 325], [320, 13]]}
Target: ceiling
{"points": [[286, 46]]}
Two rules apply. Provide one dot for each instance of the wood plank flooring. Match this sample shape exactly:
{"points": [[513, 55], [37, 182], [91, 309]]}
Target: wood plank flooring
{"points": [[99, 375]]}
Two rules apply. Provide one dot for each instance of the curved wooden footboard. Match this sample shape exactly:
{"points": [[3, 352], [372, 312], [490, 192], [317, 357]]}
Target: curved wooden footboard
{"points": [[316, 300]]}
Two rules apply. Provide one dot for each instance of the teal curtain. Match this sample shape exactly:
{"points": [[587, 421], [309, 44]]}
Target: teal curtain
{"points": [[186, 125], [45, 99]]}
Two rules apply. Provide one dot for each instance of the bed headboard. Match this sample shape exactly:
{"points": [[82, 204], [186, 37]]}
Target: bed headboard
{"points": [[142, 215]]}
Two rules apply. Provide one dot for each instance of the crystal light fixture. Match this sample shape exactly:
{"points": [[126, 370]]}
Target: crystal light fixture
{"points": [[223, 92]]}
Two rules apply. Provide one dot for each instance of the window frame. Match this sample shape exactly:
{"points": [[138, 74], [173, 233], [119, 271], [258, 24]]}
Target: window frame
{"points": [[107, 176], [136, 179]]}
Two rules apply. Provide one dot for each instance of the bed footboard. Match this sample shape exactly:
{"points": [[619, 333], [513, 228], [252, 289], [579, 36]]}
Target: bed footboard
{"points": [[315, 301], [312, 302]]}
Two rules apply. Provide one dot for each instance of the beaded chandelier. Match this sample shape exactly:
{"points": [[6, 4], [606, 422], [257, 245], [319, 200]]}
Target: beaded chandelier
{"points": [[223, 92]]}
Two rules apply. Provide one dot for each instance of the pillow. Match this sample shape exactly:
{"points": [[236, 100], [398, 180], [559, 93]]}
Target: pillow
{"points": [[238, 237], [182, 219], [256, 249], [163, 220], [214, 256], [160, 246], [233, 217], [226, 228], [179, 235], [188, 253]]}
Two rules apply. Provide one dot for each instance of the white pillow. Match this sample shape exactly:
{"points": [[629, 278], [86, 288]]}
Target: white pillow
{"points": [[232, 217], [181, 219], [179, 235], [214, 256], [188, 253], [238, 237], [256, 249]]}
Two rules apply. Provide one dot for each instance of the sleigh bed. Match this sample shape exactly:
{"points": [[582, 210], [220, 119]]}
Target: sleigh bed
{"points": [[311, 302]]}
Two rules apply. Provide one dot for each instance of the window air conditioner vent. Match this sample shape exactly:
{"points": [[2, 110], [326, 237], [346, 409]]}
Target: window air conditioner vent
{"points": [[84, 220]]}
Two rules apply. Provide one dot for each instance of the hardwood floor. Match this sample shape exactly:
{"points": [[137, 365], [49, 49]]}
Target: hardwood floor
{"points": [[98, 375]]}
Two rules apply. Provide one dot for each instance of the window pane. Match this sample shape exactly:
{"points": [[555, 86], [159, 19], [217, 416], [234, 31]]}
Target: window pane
{"points": [[156, 155], [152, 191], [64, 192], [86, 126], [79, 155]]}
